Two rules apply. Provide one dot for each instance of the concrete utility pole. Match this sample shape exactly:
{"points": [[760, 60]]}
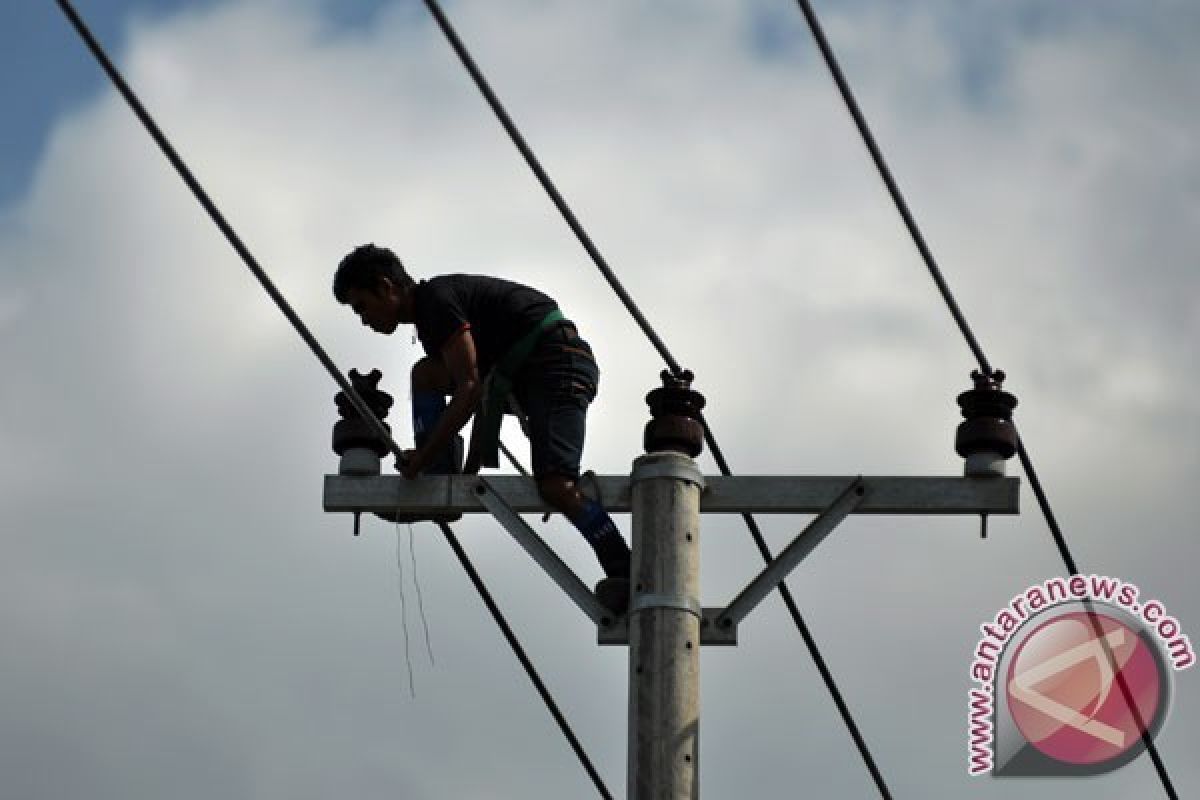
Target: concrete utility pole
{"points": [[664, 628], [666, 493]]}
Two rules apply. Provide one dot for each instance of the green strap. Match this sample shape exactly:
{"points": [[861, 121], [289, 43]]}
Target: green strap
{"points": [[498, 385]]}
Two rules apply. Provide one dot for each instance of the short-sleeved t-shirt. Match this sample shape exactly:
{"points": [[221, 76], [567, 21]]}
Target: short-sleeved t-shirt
{"points": [[496, 311]]}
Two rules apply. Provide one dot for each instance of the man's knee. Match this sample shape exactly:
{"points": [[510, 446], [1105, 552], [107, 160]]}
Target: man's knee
{"points": [[559, 491]]}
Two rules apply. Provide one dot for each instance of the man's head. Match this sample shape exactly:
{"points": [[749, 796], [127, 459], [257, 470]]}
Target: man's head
{"points": [[372, 281]]}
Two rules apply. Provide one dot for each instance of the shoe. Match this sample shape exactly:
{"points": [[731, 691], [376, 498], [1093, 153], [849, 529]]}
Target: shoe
{"points": [[613, 555], [613, 594]]}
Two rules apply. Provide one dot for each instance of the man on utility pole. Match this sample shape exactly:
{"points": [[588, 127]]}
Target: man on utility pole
{"points": [[490, 345]]}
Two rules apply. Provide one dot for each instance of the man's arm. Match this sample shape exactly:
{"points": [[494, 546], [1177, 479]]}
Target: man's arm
{"points": [[458, 354]]}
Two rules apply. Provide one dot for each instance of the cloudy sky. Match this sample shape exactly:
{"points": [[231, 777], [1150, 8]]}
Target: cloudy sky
{"points": [[180, 619]]}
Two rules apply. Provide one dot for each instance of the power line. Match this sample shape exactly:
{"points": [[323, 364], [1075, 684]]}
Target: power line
{"points": [[532, 160], [247, 257], [809, 641], [601, 264], [885, 173], [960, 319], [519, 651]]}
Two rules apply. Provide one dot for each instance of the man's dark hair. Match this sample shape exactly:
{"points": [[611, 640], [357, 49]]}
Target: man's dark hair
{"points": [[363, 268]]}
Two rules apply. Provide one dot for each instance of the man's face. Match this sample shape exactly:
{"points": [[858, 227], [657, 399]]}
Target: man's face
{"points": [[378, 308]]}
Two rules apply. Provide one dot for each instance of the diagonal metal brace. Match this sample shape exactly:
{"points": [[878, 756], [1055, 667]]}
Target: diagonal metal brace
{"points": [[783, 564], [540, 552]]}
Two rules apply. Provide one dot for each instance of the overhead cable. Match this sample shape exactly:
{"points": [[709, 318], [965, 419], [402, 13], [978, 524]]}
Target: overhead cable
{"points": [[601, 264], [547, 184], [517, 649], [247, 257], [960, 319]]}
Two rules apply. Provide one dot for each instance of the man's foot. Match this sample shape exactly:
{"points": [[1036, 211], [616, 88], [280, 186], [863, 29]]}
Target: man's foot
{"points": [[613, 555], [613, 594]]}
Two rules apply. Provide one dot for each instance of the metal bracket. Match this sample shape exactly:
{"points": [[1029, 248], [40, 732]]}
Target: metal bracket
{"points": [[782, 565], [711, 634], [541, 553], [642, 602], [677, 469]]}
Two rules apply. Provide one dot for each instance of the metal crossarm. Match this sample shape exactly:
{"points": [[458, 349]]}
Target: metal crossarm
{"points": [[753, 494], [831, 498]]}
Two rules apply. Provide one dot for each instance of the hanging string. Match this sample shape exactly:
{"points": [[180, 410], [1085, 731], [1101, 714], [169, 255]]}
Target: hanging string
{"points": [[412, 688], [412, 552]]}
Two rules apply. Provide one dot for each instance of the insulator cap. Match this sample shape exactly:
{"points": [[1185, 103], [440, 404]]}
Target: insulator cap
{"points": [[675, 423], [368, 389], [352, 430], [987, 411]]}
